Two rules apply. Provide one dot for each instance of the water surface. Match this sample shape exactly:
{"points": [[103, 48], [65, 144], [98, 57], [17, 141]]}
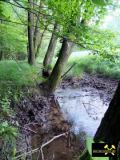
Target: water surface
{"points": [[85, 107]]}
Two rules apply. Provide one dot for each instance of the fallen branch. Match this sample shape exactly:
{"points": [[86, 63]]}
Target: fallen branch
{"points": [[29, 129], [45, 144], [27, 153], [19, 151], [68, 70], [31, 123], [41, 148]]}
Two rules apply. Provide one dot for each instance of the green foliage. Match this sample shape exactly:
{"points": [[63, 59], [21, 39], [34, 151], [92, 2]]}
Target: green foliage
{"points": [[5, 10], [8, 135], [78, 20], [8, 132], [15, 79], [5, 103], [95, 64], [73, 18], [17, 73], [13, 40], [101, 2], [71, 14], [102, 42]]}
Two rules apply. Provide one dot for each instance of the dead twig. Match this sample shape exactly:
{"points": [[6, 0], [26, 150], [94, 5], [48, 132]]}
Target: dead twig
{"points": [[50, 141], [40, 149], [68, 71], [28, 129], [27, 153]]}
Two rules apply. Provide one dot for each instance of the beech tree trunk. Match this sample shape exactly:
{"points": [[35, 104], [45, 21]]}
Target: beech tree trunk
{"points": [[55, 76], [31, 54], [109, 129], [51, 49]]}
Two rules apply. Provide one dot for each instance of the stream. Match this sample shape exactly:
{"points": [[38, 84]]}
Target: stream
{"points": [[85, 107]]}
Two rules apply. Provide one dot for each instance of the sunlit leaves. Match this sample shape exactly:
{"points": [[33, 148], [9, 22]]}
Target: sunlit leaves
{"points": [[6, 9]]}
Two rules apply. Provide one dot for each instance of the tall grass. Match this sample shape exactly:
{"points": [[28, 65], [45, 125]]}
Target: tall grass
{"points": [[17, 73], [96, 65]]}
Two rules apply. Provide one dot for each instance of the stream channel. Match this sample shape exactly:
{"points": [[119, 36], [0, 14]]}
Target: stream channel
{"points": [[78, 106]]}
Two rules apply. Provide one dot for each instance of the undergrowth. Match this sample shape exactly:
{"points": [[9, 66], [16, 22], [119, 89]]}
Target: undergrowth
{"points": [[96, 65], [17, 73], [8, 131], [14, 78]]}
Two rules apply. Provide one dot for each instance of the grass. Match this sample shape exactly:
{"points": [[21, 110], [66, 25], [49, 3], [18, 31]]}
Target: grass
{"points": [[17, 73], [96, 65]]}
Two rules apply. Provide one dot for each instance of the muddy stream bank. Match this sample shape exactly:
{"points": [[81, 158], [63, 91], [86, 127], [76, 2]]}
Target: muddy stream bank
{"points": [[76, 109]]}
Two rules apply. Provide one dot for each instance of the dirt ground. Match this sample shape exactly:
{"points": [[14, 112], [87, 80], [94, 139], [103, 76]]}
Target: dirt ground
{"points": [[105, 85]]}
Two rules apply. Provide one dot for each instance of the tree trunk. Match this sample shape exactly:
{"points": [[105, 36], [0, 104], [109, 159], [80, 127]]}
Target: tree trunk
{"points": [[1, 55], [109, 129], [1, 51], [37, 30], [40, 43], [59, 66], [31, 54], [51, 49]]}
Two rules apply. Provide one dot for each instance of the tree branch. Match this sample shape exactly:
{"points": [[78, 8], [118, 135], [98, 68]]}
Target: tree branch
{"points": [[50, 141], [68, 70]]}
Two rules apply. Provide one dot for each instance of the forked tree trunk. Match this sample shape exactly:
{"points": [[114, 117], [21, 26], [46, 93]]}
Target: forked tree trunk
{"points": [[109, 129], [51, 49], [31, 54], [55, 76]]}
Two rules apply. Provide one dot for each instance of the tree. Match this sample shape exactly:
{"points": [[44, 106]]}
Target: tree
{"points": [[1, 52], [31, 54], [55, 76], [70, 15], [51, 49], [12, 39], [39, 30], [109, 129]]}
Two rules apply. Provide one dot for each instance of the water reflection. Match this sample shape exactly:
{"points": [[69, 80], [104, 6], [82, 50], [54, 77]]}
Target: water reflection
{"points": [[85, 107]]}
